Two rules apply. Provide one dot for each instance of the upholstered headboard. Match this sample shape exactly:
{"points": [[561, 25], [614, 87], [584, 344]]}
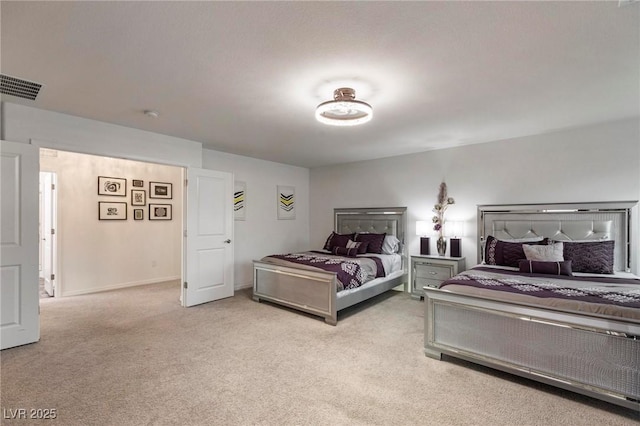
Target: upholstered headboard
{"points": [[562, 222], [392, 221]]}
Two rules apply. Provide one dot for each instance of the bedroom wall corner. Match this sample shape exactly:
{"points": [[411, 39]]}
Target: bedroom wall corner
{"points": [[261, 233]]}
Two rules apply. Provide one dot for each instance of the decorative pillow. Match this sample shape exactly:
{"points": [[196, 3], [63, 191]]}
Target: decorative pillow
{"points": [[550, 268], [528, 240], [339, 240], [549, 253], [592, 257], [344, 251], [506, 253], [374, 241], [390, 245]]}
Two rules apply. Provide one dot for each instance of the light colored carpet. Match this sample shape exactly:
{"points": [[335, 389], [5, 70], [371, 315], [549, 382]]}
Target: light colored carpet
{"points": [[135, 357]]}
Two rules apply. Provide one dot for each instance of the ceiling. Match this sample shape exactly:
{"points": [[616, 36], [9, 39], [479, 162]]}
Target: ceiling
{"points": [[245, 77]]}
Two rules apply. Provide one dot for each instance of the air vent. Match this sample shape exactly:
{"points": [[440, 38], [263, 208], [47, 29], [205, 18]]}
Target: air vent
{"points": [[18, 87]]}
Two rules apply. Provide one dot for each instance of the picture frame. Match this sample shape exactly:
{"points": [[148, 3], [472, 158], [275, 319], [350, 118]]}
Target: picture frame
{"points": [[137, 183], [138, 214], [138, 197], [286, 202], [113, 186], [160, 190], [112, 210], [239, 200], [160, 211]]}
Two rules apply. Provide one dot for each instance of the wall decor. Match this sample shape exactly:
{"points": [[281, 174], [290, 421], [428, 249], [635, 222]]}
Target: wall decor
{"points": [[112, 211], [138, 214], [239, 200], [137, 183], [138, 197], [112, 186], [286, 202], [160, 190], [160, 211]]}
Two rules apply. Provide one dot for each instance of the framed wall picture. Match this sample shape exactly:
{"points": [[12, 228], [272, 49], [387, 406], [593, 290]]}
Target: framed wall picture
{"points": [[160, 211], [112, 186], [138, 214], [160, 190], [286, 202], [112, 211], [138, 197], [239, 196], [137, 183]]}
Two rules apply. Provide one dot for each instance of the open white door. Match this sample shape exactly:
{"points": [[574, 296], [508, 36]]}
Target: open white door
{"points": [[48, 237], [19, 302], [208, 271]]}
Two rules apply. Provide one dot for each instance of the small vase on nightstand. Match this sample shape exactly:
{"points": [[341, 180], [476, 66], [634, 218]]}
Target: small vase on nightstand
{"points": [[441, 244]]}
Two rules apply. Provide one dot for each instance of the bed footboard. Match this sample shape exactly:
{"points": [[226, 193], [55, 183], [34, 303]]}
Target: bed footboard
{"points": [[588, 355], [309, 291]]}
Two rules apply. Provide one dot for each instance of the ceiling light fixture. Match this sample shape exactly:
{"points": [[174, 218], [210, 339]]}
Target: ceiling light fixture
{"points": [[344, 110], [151, 113]]}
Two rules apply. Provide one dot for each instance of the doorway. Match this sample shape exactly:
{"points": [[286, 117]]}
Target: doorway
{"points": [[85, 249], [48, 241]]}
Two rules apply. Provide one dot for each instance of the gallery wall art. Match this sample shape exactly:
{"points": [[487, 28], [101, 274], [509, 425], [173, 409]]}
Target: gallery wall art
{"points": [[112, 186], [112, 211]]}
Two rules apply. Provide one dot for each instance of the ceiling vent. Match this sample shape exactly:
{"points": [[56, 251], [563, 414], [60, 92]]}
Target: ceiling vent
{"points": [[18, 87]]}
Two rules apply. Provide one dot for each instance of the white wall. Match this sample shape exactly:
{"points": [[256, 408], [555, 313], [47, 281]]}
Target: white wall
{"points": [[259, 235], [66, 132], [97, 255], [595, 163], [262, 233]]}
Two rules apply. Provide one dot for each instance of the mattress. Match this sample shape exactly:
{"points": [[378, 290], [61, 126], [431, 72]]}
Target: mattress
{"points": [[615, 296], [369, 266]]}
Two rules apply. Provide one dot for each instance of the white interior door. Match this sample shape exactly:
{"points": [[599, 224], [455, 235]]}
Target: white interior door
{"points": [[208, 271], [19, 301], [48, 237]]}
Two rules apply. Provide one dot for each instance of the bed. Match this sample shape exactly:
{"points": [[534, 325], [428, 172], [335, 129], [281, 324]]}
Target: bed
{"points": [[302, 286], [539, 319]]}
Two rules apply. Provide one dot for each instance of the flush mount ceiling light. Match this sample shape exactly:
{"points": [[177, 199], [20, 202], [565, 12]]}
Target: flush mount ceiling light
{"points": [[344, 110]]}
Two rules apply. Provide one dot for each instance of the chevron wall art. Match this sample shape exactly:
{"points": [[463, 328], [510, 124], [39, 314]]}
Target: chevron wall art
{"points": [[286, 202]]}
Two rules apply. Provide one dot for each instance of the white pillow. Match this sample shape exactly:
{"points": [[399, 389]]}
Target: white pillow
{"points": [[544, 253], [390, 245]]}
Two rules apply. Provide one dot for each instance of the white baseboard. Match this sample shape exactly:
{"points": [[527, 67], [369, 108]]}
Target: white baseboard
{"points": [[242, 286], [118, 286]]}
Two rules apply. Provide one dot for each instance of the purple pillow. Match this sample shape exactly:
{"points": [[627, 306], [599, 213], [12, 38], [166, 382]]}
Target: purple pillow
{"points": [[343, 251], [374, 242], [593, 257], [362, 247], [505, 253], [339, 240], [550, 268]]}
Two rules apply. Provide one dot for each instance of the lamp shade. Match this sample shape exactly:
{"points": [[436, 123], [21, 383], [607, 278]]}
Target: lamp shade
{"points": [[454, 229], [422, 227]]}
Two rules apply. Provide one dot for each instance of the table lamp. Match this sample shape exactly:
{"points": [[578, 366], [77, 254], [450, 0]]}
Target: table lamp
{"points": [[422, 230]]}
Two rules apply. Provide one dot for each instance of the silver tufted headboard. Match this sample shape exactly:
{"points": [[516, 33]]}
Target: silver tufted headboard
{"points": [[374, 220], [562, 222]]}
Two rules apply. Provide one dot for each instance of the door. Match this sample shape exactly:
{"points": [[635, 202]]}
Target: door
{"points": [[48, 237], [208, 271], [19, 302]]}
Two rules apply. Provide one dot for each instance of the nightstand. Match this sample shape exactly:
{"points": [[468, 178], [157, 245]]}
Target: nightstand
{"points": [[430, 271]]}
